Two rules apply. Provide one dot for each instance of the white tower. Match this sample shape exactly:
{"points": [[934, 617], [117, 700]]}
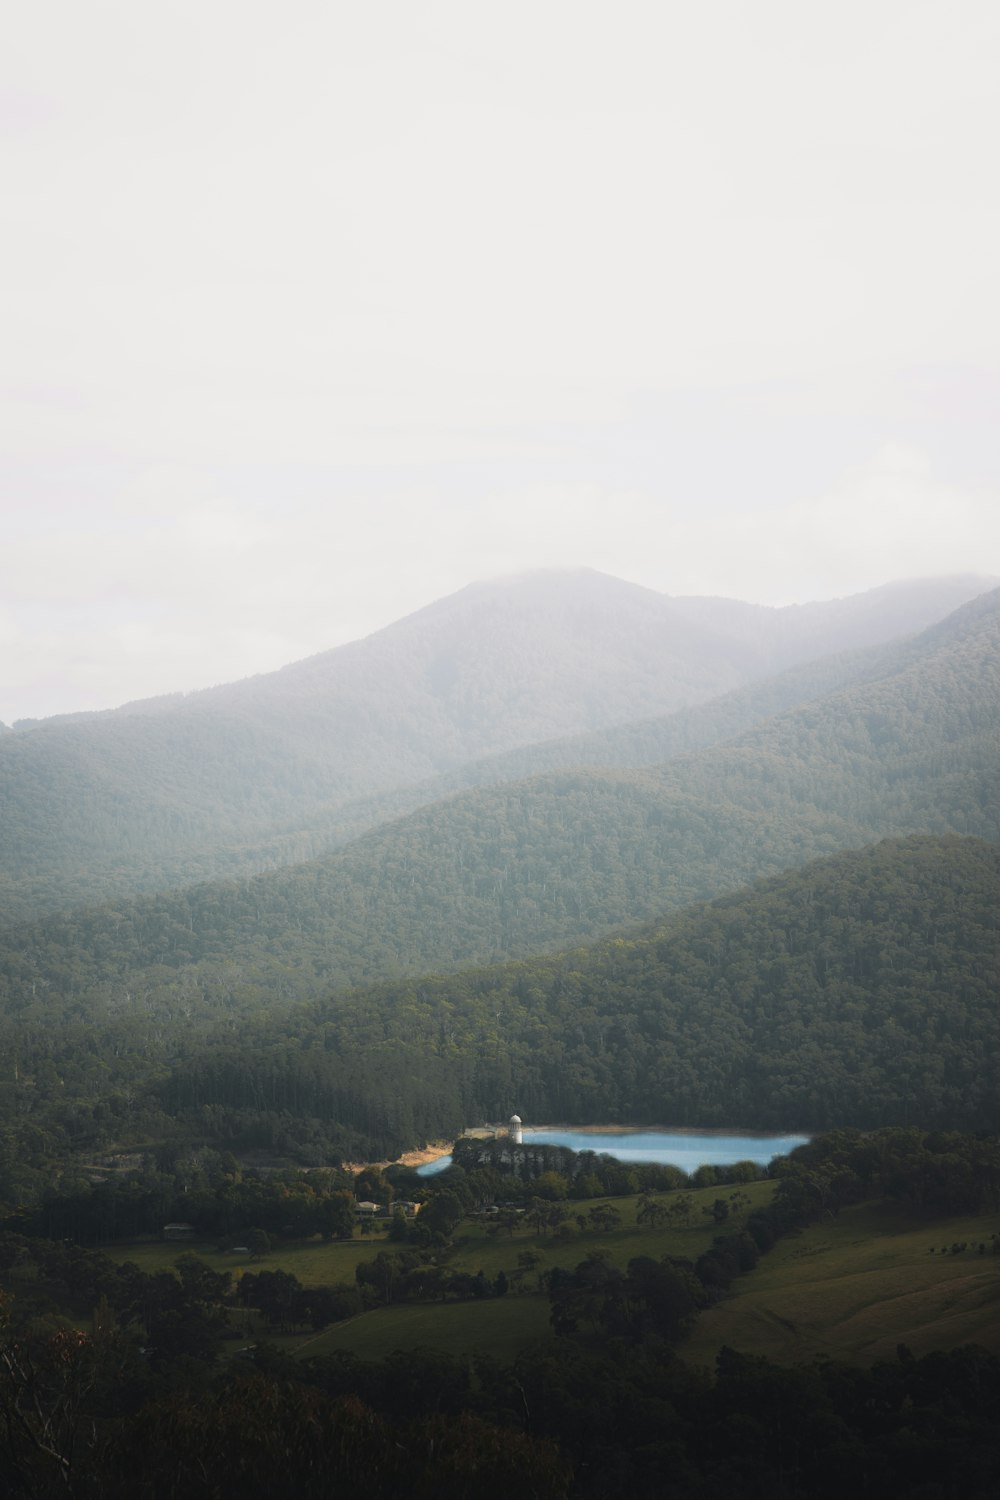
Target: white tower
{"points": [[514, 1129]]}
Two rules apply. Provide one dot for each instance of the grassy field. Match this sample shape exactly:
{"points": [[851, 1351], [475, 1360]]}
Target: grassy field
{"points": [[481, 1251], [502, 1326], [855, 1287], [314, 1263], [317, 1264], [852, 1288]]}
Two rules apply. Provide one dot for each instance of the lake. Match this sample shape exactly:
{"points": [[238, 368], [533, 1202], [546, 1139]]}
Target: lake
{"points": [[686, 1149]]}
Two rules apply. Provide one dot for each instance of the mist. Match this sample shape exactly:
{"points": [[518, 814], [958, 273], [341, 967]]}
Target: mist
{"points": [[311, 323]]}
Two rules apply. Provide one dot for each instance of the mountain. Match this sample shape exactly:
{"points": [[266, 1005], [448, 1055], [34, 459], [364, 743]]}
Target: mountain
{"points": [[860, 990], [515, 868], [279, 768], [801, 631]]}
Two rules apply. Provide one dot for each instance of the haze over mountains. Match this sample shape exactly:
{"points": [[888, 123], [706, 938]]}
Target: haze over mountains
{"points": [[297, 1010], [282, 767], [893, 740]]}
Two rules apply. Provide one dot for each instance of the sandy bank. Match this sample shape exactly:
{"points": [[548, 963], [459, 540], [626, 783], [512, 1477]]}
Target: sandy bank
{"points": [[433, 1152]]}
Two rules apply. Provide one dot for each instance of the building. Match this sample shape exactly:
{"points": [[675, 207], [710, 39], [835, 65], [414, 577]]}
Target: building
{"points": [[514, 1129], [178, 1231]]}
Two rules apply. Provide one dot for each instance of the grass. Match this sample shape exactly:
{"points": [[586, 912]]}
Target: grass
{"points": [[852, 1288], [502, 1325], [318, 1264], [478, 1250], [855, 1287], [314, 1263], [499, 1325]]}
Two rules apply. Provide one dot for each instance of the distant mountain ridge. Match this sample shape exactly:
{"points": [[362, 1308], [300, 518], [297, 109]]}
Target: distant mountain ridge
{"points": [[521, 866], [254, 774]]}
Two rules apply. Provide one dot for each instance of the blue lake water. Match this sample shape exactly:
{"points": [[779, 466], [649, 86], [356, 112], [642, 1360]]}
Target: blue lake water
{"points": [[686, 1149]]}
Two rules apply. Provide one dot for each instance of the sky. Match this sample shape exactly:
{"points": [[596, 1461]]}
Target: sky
{"points": [[315, 312]]}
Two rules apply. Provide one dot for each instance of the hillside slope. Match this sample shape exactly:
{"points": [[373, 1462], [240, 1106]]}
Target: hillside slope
{"points": [[263, 773], [861, 990], [514, 869]]}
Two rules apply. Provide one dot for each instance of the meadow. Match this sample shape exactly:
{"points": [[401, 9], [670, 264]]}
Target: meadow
{"points": [[856, 1287], [499, 1325], [853, 1287]]}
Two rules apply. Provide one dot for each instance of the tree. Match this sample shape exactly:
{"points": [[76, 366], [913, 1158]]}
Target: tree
{"points": [[381, 1274], [334, 1217], [443, 1213], [651, 1212], [604, 1216], [258, 1243]]}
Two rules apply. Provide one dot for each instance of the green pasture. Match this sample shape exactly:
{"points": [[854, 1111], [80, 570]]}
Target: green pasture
{"points": [[499, 1325], [312, 1261], [479, 1250], [855, 1287], [502, 1325], [319, 1264], [850, 1288]]}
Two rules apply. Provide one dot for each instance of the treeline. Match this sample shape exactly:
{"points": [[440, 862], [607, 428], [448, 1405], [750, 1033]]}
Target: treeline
{"points": [[518, 1170], [209, 1192]]}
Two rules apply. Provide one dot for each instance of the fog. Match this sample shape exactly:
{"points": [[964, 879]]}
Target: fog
{"points": [[315, 314]]}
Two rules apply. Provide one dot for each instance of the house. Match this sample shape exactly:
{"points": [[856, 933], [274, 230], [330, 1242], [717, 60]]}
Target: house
{"points": [[178, 1231]]}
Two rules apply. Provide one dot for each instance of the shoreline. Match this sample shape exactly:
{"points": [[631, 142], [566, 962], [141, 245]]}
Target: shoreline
{"points": [[699, 1130], [435, 1150], [417, 1158]]}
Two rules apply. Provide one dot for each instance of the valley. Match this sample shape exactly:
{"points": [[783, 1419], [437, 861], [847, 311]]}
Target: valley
{"points": [[562, 846]]}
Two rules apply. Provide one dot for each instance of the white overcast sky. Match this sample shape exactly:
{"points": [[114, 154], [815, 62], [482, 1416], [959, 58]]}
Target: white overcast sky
{"points": [[314, 311]]}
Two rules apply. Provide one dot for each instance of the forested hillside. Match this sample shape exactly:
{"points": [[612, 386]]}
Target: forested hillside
{"points": [[268, 772], [643, 742], [860, 991], [512, 869]]}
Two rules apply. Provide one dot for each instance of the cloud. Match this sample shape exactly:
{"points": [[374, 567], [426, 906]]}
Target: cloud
{"points": [[891, 518]]}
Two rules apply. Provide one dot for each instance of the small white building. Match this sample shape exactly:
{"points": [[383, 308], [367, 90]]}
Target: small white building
{"points": [[514, 1129], [178, 1231]]}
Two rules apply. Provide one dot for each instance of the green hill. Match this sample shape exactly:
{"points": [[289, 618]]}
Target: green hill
{"points": [[280, 768], [861, 990], [857, 1286], [513, 869]]}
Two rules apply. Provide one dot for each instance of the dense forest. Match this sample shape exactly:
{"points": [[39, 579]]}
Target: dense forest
{"points": [[860, 990], [281, 768], [509, 870]]}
